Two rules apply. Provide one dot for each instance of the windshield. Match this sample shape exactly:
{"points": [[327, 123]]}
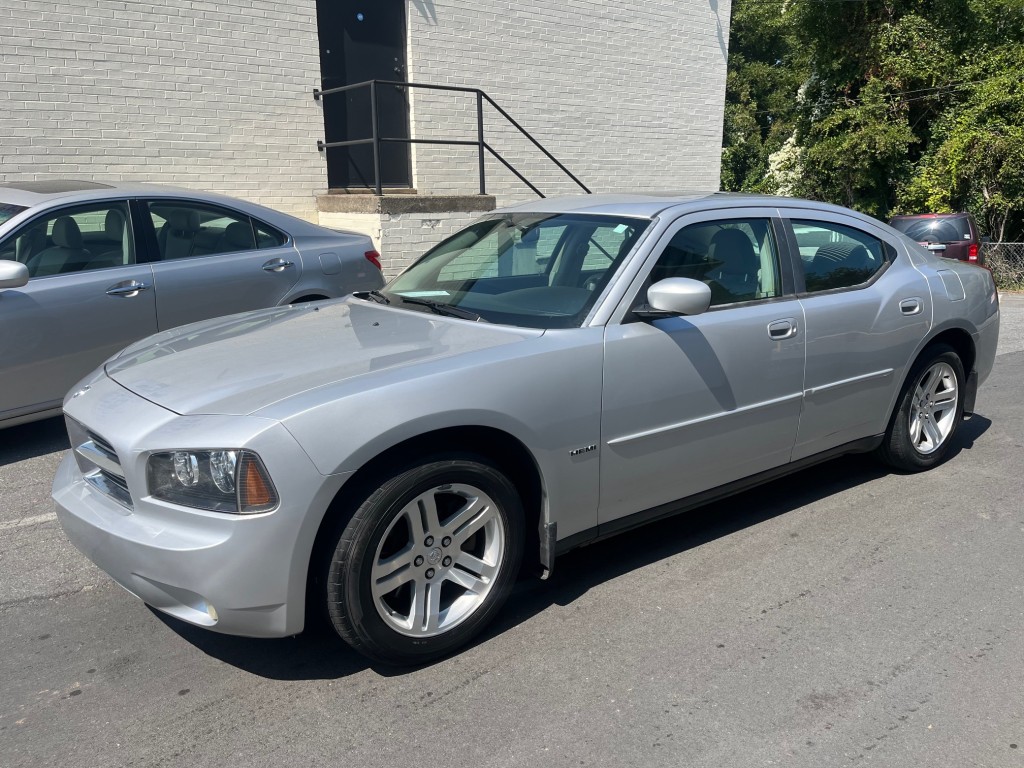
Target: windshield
{"points": [[934, 230], [525, 269], [9, 211]]}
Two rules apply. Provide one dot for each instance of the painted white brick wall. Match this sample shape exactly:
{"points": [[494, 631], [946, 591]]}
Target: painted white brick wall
{"points": [[401, 238], [208, 94], [626, 95]]}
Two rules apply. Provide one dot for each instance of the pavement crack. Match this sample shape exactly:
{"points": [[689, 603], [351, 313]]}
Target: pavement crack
{"points": [[5, 604]]}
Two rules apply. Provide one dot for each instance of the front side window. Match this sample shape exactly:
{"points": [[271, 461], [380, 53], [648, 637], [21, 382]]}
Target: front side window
{"points": [[736, 258], [527, 269], [836, 256], [77, 239], [185, 229]]}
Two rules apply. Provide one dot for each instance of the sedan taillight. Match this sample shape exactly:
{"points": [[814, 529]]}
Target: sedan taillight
{"points": [[374, 258]]}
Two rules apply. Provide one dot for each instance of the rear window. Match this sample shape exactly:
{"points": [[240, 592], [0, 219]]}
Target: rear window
{"points": [[935, 230], [9, 211]]}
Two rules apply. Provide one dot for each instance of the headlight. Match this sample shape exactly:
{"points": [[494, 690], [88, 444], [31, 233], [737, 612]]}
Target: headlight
{"points": [[221, 480]]}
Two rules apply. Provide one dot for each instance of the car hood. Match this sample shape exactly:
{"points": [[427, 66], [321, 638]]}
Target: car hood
{"points": [[240, 364]]}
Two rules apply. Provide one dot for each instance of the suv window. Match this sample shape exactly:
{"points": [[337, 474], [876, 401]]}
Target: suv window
{"points": [[185, 229], [949, 229], [77, 239], [836, 256], [736, 258]]}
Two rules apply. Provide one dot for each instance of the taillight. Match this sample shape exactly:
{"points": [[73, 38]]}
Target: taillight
{"points": [[374, 258], [972, 253]]}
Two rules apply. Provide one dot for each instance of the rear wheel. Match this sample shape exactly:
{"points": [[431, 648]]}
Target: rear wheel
{"points": [[426, 560], [929, 412]]}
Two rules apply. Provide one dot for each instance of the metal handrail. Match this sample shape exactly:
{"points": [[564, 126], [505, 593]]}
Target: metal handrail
{"points": [[376, 139]]}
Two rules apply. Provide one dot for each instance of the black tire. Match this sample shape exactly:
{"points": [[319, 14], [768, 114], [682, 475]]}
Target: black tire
{"points": [[381, 531], [900, 449]]}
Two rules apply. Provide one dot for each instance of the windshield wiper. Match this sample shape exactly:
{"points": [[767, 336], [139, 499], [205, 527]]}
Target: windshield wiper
{"points": [[376, 296], [443, 309]]}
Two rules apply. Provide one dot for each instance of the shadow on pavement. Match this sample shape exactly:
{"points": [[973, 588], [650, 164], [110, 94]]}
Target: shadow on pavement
{"points": [[316, 654], [319, 654], [29, 441]]}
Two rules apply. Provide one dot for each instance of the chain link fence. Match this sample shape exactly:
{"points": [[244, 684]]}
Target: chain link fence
{"points": [[1006, 260]]}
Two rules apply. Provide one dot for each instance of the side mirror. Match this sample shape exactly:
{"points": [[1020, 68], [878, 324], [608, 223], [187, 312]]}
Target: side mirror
{"points": [[676, 296], [13, 274]]}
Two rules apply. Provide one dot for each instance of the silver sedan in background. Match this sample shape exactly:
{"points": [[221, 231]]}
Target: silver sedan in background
{"points": [[88, 268], [553, 374]]}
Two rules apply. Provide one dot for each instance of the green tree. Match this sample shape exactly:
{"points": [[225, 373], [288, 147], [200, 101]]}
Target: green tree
{"points": [[880, 105]]}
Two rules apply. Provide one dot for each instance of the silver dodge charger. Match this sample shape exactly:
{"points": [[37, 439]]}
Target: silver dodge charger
{"points": [[552, 374]]}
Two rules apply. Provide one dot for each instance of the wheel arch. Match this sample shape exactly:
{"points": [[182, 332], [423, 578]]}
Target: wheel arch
{"points": [[960, 340], [495, 446], [954, 336], [303, 298]]}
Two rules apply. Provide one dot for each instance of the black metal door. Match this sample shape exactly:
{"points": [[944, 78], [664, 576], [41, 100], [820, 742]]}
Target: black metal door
{"points": [[362, 41]]}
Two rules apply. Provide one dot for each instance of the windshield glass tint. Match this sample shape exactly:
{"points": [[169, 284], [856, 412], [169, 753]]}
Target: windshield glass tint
{"points": [[528, 269], [934, 230], [8, 210]]}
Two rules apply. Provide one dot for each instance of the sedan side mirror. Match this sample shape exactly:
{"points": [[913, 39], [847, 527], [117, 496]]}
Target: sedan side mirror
{"points": [[13, 274], [676, 296]]}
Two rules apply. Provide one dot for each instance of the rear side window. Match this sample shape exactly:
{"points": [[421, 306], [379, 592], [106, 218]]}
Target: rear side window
{"points": [[932, 230], [267, 236], [836, 256], [185, 229]]}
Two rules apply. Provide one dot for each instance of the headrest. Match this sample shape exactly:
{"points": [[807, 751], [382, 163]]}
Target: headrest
{"points": [[184, 219], [238, 235], [734, 250], [66, 233], [113, 224]]}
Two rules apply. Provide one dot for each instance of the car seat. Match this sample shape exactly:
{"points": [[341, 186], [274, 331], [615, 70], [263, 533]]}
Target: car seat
{"points": [[65, 255], [738, 271]]}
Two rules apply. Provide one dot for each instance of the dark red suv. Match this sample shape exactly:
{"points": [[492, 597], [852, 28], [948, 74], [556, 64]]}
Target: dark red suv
{"points": [[952, 235]]}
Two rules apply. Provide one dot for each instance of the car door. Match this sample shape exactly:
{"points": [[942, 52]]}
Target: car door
{"points": [[693, 403], [87, 297], [866, 308], [211, 261]]}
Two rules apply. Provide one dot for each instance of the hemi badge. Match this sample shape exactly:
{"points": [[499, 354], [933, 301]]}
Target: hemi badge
{"points": [[585, 449]]}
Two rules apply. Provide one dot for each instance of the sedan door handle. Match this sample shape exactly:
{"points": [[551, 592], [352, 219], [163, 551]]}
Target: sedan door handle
{"points": [[277, 265], [910, 306], [127, 289], [782, 329]]}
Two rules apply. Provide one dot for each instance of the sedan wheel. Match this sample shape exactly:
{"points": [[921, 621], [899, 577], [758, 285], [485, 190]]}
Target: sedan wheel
{"points": [[933, 408], [426, 561], [438, 559], [928, 413]]}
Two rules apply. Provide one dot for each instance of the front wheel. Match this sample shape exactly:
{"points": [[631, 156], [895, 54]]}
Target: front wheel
{"points": [[426, 561], [929, 412]]}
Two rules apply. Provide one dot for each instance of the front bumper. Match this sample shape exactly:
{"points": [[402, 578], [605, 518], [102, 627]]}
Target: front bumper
{"points": [[238, 574]]}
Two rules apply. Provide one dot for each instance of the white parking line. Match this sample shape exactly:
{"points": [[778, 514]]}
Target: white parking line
{"points": [[27, 521]]}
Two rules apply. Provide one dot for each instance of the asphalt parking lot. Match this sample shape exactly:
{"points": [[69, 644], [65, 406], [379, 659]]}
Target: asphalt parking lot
{"points": [[841, 616]]}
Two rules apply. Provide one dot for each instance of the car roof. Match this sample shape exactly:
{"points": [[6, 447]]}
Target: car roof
{"points": [[649, 205], [33, 193]]}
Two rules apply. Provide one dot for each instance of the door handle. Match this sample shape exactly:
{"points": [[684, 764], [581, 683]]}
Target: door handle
{"points": [[782, 329], [127, 290], [910, 306], [277, 265]]}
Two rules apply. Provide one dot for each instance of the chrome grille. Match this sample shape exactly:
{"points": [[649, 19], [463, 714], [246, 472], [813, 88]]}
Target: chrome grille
{"points": [[99, 463]]}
